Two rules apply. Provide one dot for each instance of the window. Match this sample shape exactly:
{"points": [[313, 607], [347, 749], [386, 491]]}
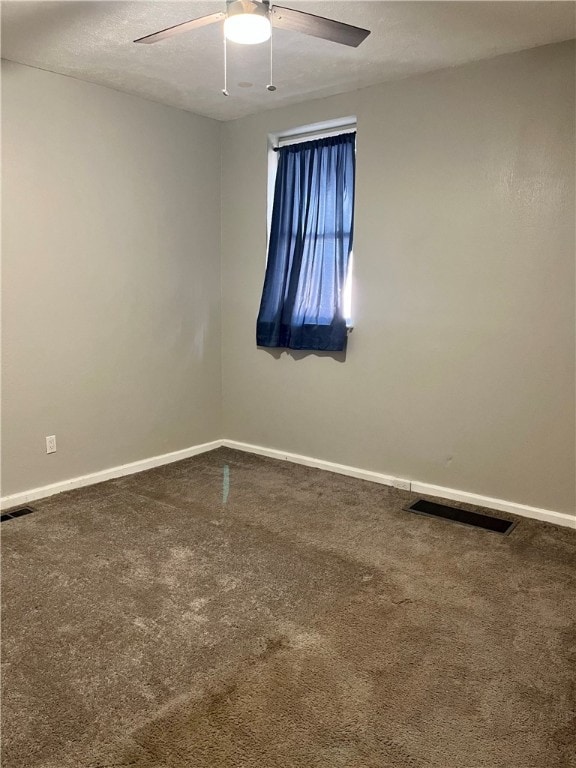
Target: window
{"points": [[307, 291]]}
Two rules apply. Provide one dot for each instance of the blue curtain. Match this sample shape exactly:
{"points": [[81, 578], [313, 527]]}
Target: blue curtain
{"points": [[310, 245]]}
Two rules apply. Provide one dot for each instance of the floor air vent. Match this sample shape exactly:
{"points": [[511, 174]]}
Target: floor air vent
{"points": [[462, 516], [15, 513]]}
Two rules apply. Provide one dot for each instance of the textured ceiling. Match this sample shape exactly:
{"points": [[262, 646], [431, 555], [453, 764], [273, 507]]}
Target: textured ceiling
{"points": [[93, 41]]}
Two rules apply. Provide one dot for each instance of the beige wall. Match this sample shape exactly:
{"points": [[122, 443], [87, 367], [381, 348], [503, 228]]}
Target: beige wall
{"points": [[111, 278], [460, 370]]}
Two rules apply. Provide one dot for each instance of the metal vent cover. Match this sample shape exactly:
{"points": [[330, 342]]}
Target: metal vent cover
{"points": [[462, 516], [20, 512]]}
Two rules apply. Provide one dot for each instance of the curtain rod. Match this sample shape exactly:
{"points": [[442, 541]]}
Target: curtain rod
{"points": [[301, 138]]}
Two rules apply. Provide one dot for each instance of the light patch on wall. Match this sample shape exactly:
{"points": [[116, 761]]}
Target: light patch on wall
{"points": [[348, 291]]}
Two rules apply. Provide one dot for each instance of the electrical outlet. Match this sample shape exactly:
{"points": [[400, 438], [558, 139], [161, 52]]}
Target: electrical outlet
{"points": [[51, 444], [403, 485]]}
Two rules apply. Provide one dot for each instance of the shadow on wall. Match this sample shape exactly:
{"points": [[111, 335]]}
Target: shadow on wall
{"points": [[300, 354]]}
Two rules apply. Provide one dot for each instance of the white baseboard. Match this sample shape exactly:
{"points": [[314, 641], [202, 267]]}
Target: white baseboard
{"points": [[547, 515], [536, 513], [17, 499], [308, 461]]}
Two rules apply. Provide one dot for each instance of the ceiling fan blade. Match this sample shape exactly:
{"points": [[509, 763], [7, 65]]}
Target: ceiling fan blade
{"points": [[317, 26], [184, 27]]}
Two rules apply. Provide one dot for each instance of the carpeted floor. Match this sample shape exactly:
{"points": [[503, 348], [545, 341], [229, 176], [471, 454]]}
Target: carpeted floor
{"points": [[307, 622]]}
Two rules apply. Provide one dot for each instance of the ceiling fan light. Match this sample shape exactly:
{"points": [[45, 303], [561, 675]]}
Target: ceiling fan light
{"points": [[247, 28]]}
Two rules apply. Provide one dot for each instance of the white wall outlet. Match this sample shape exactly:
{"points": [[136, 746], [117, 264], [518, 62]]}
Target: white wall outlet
{"points": [[403, 485], [51, 444]]}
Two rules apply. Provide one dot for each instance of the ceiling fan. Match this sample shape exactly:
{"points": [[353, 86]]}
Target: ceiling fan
{"points": [[250, 22]]}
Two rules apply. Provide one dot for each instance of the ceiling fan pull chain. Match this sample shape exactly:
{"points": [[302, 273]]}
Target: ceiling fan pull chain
{"points": [[225, 89], [271, 86]]}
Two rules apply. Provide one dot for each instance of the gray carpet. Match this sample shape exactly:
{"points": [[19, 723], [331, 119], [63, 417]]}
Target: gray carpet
{"points": [[308, 622]]}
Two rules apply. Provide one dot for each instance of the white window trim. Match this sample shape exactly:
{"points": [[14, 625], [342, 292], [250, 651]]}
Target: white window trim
{"points": [[316, 131]]}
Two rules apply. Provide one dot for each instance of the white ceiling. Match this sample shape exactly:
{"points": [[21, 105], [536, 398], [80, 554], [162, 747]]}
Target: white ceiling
{"points": [[93, 41]]}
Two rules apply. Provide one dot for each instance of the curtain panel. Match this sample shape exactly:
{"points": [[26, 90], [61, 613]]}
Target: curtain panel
{"points": [[310, 245]]}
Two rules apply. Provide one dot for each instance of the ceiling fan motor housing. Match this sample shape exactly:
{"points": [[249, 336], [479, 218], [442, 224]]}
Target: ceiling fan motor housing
{"points": [[234, 7]]}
